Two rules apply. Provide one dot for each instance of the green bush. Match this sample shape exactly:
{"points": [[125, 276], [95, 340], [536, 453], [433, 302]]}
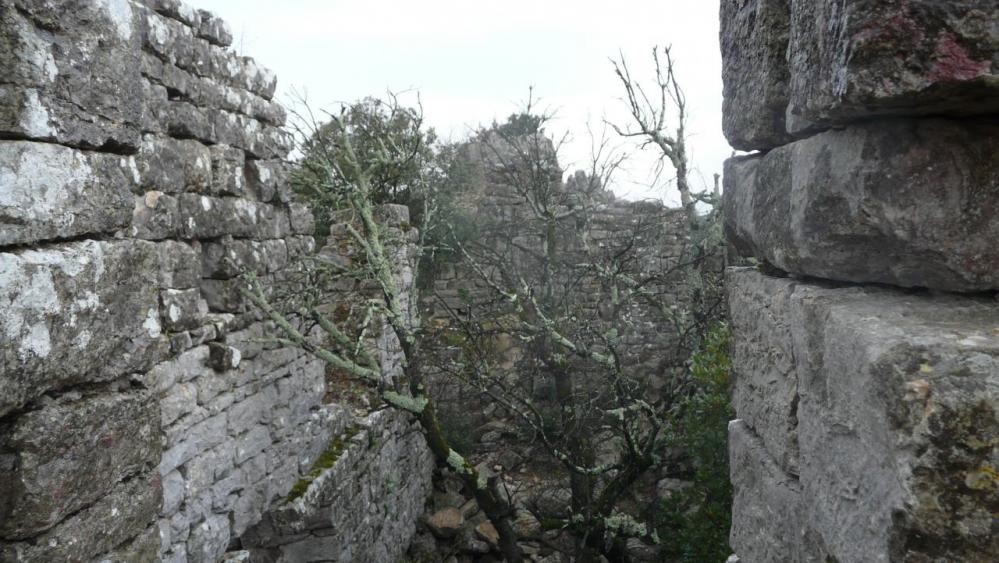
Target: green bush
{"points": [[694, 523]]}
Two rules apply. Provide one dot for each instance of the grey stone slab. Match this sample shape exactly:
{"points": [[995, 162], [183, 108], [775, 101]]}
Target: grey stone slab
{"points": [[69, 72], [754, 41], [853, 59], [764, 365], [128, 511], [897, 425], [70, 454], [51, 192], [77, 313], [903, 202]]}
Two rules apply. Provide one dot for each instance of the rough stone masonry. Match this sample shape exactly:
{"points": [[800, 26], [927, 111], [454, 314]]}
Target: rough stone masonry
{"points": [[866, 353], [141, 417]]}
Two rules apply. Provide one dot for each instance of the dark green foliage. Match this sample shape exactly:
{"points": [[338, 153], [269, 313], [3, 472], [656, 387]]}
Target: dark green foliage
{"points": [[694, 523], [518, 124], [390, 143]]}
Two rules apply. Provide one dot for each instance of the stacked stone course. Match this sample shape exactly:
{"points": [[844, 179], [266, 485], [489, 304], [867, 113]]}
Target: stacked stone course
{"points": [[142, 170], [867, 373]]}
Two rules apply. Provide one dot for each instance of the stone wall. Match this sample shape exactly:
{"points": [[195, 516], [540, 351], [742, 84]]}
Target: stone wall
{"points": [[644, 239], [866, 348], [142, 417]]}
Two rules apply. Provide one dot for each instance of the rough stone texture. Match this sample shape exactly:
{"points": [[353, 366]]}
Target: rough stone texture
{"points": [[362, 509], [69, 72], [112, 521], [61, 303], [64, 457], [754, 40], [142, 170], [895, 396], [767, 523], [913, 203], [766, 396], [49, 192], [857, 58]]}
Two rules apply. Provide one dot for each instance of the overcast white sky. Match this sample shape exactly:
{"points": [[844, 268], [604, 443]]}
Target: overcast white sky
{"points": [[473, 61]]}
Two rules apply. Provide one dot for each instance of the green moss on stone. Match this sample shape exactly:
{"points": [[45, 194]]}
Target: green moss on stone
{"points": [[325, 461]]}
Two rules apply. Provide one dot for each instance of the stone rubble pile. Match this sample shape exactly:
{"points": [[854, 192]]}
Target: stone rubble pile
{"points": [[142, 170], [866, 352]]}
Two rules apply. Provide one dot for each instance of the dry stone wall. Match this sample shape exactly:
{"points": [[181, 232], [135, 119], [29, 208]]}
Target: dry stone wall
{"points": [[866, 349], [142, 418]]}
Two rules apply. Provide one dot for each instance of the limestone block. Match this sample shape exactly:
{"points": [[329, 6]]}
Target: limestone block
{"points": [[173, 493], [186, 120], [258, 139], [230, 259], [302, 220], [178, 265], [155, 216], [177, 10], [145, 547], [50, 192], [765, 394], [227, 171], [252, 443], [855, 58], [198, 438], [112, 521], [179, 401], [214, 29], [182, 309], [211, 217], [897, 423], [77, 313], [70, 72], [174, 166], [767, 503], [901, 202], [70, 454], [209, 539], [754, 39], [268, 179]]}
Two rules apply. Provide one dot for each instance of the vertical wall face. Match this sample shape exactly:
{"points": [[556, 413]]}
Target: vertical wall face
{"points": [[141, 171], [868, 426]]}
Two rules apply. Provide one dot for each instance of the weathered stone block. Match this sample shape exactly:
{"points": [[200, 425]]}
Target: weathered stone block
{"points": [[50, 192], [764, 367], [209, 217], [182, 309], [302, 220], [852, 205], [174, 166], [897, 423], [227, 171], [77, 313], [754, 38], [69, 72], [209, 539], [69, 455], [856, 58], [767, 503], [214, 29], [230, 259], [155, 216], [268, 179], [112, 521], [178, 265]]}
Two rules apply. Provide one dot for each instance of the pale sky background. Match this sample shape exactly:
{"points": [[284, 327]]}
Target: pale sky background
{"points": [[473, 62]]}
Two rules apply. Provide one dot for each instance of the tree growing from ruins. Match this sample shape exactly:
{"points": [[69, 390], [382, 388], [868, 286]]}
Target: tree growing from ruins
{"points": [[541, 296]]}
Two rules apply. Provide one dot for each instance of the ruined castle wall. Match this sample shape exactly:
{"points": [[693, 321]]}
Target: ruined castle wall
{"points": [[142, 417], [867, 373]]}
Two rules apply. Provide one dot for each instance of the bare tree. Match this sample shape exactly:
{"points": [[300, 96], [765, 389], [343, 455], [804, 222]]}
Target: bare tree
{"points": [[572, 302], [342, 178]]}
